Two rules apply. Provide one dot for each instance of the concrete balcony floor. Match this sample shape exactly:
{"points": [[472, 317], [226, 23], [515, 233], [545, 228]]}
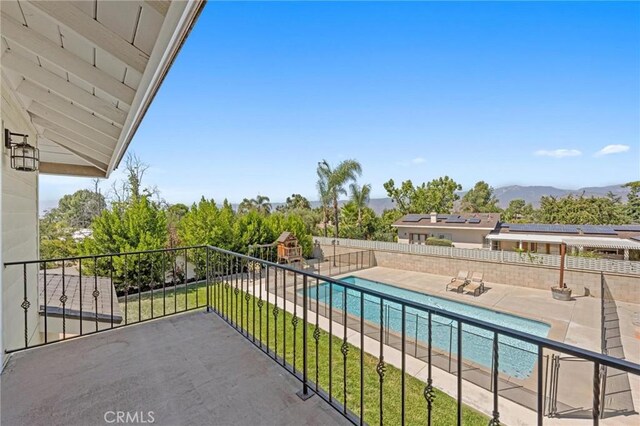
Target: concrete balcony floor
{"points": [[187, 369]]}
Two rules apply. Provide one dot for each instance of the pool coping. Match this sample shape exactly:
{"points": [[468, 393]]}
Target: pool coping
{"points": [[528, 384], [557, 332]]}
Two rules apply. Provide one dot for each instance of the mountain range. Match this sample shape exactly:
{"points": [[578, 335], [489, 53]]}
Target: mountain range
{"points": [[530, 194]]}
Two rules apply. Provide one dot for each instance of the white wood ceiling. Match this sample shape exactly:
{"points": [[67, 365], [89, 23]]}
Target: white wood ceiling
{"points": [[77, 68]]}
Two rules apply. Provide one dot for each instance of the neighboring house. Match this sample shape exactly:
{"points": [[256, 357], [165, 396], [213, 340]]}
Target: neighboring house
{"points": [[484, 230], [81, 234], [463, 230], [611, 241]]}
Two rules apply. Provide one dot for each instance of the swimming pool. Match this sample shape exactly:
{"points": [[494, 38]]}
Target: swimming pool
{"points": [[516, 358]]}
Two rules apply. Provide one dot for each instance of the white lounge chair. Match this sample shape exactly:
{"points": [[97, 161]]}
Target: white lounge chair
{"points": [[476, 284], [457, 283]]}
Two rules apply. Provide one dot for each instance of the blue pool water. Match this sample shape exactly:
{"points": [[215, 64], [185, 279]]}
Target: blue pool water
{"points": [[516, 358]]}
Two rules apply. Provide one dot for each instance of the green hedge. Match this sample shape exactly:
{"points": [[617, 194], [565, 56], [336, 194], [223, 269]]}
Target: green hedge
{"points": [[438, 242]]}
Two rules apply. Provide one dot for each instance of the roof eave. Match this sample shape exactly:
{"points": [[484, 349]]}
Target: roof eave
{"points": [[177, 25]]}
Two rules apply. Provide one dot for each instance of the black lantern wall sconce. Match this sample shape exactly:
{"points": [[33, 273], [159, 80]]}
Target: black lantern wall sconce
{"points": [[24, 157]]}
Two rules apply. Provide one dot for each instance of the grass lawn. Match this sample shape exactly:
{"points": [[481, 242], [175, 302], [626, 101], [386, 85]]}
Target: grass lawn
{"points": [[444, 407]]}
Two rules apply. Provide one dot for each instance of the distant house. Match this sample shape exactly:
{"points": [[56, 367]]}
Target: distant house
{"points": [[484, 230], [611, 241], [81, 234], [463, 230]]}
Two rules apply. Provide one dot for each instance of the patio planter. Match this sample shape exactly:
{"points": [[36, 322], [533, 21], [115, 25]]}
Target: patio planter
{"points": [[560, 293]]}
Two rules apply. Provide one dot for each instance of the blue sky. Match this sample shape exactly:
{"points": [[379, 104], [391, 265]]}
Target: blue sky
{"points": [[511, 93]]}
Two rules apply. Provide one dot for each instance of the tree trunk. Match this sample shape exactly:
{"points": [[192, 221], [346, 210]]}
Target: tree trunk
{"points": [[324, 221], [335, 215]]}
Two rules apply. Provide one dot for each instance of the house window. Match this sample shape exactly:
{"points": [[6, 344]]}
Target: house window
{"points": [[442, 236]]}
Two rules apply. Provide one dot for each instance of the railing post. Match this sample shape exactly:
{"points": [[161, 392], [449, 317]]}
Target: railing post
{"points": [[541, 397], [207, 281], [596, 394], [304, 394]]}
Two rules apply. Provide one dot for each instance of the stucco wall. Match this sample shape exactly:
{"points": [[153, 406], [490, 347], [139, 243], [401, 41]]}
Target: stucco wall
{"points": [[625, 288], [19, 205], [462, 238]]}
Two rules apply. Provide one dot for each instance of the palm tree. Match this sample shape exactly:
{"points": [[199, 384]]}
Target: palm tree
{"points": [[335, 180], [263, 204], [246, 205], [325, 199], [360, 199]]}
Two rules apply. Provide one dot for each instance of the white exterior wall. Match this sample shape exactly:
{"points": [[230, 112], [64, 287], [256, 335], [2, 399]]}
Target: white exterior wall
{"points": [[541, 247], [19, 239], [461, 238]]}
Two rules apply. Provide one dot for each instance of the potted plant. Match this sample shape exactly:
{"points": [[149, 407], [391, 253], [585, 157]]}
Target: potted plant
{"points": [[561, 292]]}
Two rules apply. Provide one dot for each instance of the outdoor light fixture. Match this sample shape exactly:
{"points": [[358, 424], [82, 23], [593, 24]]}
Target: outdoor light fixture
{"points": [[24, 157]]}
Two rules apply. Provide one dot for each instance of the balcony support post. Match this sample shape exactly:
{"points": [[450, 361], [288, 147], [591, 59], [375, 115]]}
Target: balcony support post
{"points": [[304, 394]]}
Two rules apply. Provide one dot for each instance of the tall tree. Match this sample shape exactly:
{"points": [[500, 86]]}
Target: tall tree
{"points": [[325, 199], [360, 199], [131, 187], [441, 194], [294, 202], [438, 195], [175, 213], [406, 197], [480, 199], [581, 210], [250, 229], [78, 210], [633, 201], [135, 226], [518, 211], [246, 205], [336, 179], [263, 204]]}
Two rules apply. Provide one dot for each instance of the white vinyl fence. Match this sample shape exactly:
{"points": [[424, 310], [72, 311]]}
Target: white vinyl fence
{"points": [[571, 262]]}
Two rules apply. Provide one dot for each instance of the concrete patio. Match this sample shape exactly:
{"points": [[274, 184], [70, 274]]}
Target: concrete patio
{"points": [[576, 322], [187, 369]]}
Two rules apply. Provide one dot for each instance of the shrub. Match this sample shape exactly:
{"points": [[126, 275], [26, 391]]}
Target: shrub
{"points": [[431, 241]]}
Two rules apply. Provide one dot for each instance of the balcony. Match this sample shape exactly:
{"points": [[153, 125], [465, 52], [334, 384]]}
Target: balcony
{"points": [[201, 335], [186, 369]]}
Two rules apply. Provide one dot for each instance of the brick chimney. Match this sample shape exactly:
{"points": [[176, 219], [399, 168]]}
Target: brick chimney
{"points": [[434, 217]]}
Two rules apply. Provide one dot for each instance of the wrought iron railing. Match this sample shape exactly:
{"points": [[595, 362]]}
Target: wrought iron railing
{"points": [[70, 297], [339, 339], [282, 290]]}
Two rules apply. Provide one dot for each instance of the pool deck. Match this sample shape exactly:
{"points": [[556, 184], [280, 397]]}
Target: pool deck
{"points": [[576, 322]]}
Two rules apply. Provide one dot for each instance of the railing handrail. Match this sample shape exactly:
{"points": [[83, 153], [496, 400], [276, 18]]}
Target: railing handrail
{"points": [[95, 256], [609, 361], [542, 342]]}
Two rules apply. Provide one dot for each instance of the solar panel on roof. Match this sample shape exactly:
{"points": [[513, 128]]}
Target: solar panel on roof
{"points": [[474, 220], [443, 216], [414, 217], [628, 228], [505, 225], [455, 220], [597, 229], [543, 228]]}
